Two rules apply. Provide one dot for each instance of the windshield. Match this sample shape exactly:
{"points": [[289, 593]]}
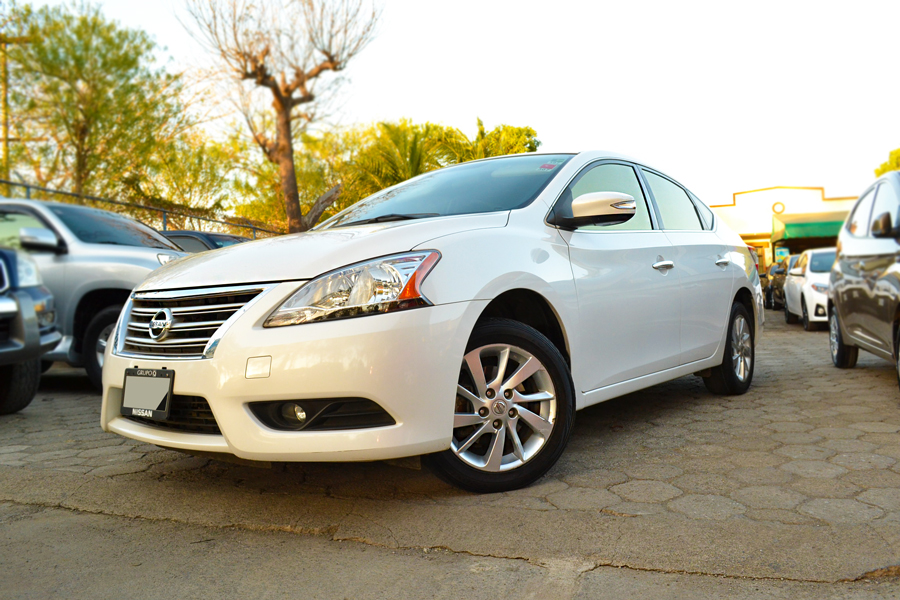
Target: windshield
{"points": [[476, 187], [821, 262], [94, 226]]}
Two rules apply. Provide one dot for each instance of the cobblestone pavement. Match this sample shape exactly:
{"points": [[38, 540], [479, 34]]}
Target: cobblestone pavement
{"points": [[798, 478]]}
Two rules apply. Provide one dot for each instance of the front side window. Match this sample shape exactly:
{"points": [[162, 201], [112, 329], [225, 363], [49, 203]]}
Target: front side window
{"points": [[801, 264], [607, 177], [11, 223], [821, 262], [675, 207], [858, 223], [94, 226], [886, 202], [189, 244], [477, 187]]}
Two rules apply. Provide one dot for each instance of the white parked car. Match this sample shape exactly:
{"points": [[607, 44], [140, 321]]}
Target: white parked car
{"points": [[465, 314], [806, 288]]}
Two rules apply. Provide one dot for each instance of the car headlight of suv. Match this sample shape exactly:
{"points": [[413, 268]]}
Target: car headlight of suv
{"points": [[822, 288], [27, 270], [377, 286]]}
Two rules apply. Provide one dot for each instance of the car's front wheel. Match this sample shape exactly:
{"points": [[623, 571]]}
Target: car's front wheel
{"points": [[842, 355], [95, 339], [18, 385], [734, 375], [514, 411]]}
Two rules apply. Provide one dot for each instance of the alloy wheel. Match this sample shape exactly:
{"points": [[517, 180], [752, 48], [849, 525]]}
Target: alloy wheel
{"points": [[506, 408], [741, 348], [833, 336]]}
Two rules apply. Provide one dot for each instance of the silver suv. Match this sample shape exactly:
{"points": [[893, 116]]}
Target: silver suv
{"points": [[90, 260]]}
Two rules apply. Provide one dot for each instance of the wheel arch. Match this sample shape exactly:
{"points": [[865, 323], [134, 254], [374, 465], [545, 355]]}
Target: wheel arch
{"points": [[745, 297], [89, 305], [531, 308]]}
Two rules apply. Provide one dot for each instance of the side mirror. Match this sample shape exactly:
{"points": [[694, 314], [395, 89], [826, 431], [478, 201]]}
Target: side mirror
{"points": [[39, 239], [796, 272], [779, 272], [600, 208], [882, 227]]}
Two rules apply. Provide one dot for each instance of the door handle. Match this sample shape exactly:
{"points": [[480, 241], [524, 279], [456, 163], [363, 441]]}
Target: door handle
{"points": [[723, 262], [664, 265]]}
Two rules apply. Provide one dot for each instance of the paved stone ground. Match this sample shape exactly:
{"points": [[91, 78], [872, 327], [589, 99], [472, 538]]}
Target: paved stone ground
{"points": [[799, 478]]}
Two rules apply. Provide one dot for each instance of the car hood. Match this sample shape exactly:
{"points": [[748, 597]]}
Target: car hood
{"points": [[306, 255]]}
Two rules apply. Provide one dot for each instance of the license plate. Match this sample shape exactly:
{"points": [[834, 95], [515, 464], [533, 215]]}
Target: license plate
{"points": [[148, 393]]}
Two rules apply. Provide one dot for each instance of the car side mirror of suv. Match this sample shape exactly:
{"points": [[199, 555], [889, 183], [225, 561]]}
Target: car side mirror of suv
{"points": [[882, 227], [796, 272], [40, 239]]}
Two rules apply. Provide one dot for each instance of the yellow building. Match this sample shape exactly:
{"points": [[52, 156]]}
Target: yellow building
{"points": [[782, 220]]}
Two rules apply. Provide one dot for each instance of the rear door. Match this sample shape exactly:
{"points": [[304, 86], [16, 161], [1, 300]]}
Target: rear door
{"points": [[879, 278], [702, 264]]}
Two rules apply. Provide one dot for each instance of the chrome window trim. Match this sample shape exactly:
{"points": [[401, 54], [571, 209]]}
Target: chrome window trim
{"points": [[6, 283], [209, 350]]}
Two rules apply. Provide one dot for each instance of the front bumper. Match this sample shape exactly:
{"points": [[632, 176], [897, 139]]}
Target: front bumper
{"points": [[407, 362], [22, 337], [816, 305]]}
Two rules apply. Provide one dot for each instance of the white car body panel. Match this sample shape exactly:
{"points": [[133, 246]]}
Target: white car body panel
{"points": [[800, 287], [622, 331]]}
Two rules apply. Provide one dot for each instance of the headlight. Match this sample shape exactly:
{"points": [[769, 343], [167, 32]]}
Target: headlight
{"points": [[28, 272], [822, 288], [378, 286]]}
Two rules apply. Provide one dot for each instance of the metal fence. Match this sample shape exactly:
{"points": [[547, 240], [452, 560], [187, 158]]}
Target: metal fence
{"points": [[159, 217]]}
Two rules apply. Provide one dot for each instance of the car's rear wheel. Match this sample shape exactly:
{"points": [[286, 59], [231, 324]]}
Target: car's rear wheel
{"points": [[514, 411], [842, 355], [789, 317], [95, 339], [18, 385], [734, 375]]}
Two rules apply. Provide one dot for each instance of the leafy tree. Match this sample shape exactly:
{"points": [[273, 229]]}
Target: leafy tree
{"points": [[284, 49], [892, 164], [87, 99]]}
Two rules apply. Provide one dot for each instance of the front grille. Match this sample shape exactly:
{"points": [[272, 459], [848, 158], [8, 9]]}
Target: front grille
{"points": [[187, 413], [4, 330], [197, 315]]}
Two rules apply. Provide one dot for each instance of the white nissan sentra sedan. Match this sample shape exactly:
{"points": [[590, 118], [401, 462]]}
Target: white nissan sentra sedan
{"points": [[465, 315]]}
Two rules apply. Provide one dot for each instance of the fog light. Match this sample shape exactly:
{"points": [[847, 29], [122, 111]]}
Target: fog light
{"points": [[293, 412], [820, 310], [46, 319]]}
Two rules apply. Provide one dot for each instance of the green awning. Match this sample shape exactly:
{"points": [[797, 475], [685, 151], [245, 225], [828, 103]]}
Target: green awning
{"points": [[807, 225]]}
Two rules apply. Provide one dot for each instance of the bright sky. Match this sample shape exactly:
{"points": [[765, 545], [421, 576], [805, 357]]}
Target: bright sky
{"points": [[723, 96]]}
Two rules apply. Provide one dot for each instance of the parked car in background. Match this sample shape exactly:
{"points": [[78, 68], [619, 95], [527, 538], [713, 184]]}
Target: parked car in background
{"points": [[201, 241], [864, 302], [806, 288], [27, 329], [465, 314], [765, 280], [777, 281], [90, 259]]}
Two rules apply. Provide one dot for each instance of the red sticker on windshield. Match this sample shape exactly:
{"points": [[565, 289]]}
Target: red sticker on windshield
{"points": [[547, 167]]}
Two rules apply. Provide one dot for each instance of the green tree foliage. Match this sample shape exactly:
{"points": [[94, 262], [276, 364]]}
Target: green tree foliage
{"points": [[86, 99], [892, 164], [365, 160]]}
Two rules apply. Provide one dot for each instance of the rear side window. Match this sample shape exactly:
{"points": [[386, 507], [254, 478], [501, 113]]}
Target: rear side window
{"points": [[706, 215], [607, 177], [858, 223], [675, 208], [885, 202]]}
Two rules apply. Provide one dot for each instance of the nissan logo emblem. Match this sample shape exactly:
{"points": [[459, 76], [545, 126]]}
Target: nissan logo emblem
{"points": [[161, 324]]}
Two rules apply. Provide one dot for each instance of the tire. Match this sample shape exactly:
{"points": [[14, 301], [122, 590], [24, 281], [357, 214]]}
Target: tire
{"points": [[18, 385], [484, 456], [46, 365], [734, 375], [770, 300], [95, 336], [789, 317], [842, 355], [807, 326]]}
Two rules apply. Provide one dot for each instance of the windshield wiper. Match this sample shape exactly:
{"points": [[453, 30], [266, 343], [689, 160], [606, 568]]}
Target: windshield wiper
{"points": [[390, 217]]}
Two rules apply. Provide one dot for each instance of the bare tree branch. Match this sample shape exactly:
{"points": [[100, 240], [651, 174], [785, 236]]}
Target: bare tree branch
{"points": [[321, 204]]}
